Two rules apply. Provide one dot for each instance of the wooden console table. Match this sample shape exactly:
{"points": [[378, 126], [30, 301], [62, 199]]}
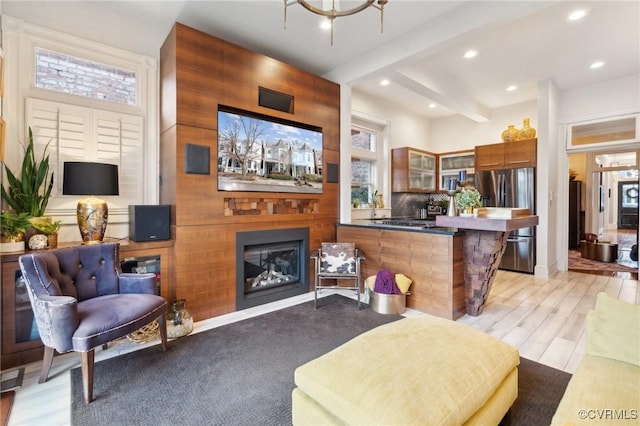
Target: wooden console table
{"points": [[485, 241]]}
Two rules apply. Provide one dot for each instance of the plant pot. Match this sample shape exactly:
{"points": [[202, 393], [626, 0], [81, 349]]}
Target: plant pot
{"points": [[53, 241], [12, 246], [31, 231]]}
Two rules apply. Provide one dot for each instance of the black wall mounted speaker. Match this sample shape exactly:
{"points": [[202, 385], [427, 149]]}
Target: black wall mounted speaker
{"points": [[271, 99], [149, 223]]}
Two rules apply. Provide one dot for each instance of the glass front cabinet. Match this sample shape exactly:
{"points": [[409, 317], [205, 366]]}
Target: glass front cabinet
{"points": [[452, 163], [413, 170]]}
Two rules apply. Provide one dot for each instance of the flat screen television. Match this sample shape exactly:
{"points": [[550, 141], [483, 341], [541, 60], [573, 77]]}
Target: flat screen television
{"points": [[260, 153]]}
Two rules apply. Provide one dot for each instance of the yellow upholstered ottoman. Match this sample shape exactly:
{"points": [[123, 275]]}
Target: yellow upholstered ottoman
{"points": [[421, 371]]}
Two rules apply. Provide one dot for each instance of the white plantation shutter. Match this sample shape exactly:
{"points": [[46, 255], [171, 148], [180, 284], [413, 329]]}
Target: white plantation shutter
{"points": [[119, 141], [77, 133]]}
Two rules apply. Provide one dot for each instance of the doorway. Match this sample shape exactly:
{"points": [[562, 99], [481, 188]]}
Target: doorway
{"points": [[603, 208]]}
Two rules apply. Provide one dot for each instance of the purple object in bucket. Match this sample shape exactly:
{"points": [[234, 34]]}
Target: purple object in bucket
{"points": [[386, 283]]}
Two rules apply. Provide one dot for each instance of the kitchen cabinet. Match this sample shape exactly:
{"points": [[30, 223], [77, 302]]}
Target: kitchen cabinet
{"points": [[508, 155], [21, 342], [413, 170], [451, 163]]}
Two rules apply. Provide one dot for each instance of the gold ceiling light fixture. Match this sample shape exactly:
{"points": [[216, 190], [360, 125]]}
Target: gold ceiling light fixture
{"points": [[333, 12]]}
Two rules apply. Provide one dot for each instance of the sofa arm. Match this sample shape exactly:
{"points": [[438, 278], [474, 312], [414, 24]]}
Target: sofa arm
{"points": [[613, 330], [137, 283], [57, 318]]}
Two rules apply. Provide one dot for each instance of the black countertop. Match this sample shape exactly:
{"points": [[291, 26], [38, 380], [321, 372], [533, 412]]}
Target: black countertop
{"points": [[425, 230]]}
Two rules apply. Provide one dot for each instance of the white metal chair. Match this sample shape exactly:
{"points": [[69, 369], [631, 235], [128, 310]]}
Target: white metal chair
{"points": [[337, 261]]}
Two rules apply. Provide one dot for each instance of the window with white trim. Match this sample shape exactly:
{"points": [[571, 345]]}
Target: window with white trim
{"points": [[84, 101], [366, 140], [69, 74]]}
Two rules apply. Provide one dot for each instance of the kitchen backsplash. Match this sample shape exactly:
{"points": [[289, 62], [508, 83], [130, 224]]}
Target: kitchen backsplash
{"points": [[404, 204]]}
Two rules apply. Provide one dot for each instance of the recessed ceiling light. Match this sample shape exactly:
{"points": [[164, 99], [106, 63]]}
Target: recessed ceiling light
{"points": [[577, 14], [512, 88], [470, 54], [596, 65], [384, 82], [432, 105]]}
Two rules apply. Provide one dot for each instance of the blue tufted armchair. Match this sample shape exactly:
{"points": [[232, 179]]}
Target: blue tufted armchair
{"points": [[82, 300]]}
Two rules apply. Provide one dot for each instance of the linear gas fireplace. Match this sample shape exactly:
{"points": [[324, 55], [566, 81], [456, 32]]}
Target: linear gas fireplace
{"points": [[271, 265]]}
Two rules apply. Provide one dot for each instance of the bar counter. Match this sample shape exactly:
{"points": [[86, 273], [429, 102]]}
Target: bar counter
{"points": [[452, 264], [485, 240]]}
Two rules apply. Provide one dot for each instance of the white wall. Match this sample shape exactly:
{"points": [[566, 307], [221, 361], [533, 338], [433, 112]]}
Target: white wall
{"points": [[407, 128], [458, 133], [601, 99]]}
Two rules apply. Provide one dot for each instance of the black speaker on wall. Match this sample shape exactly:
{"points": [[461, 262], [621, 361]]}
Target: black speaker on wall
{"points": [[149, 223], [275, 100]]}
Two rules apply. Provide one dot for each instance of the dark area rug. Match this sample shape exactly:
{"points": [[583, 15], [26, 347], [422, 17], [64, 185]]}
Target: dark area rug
{"points": [[242, 373]]}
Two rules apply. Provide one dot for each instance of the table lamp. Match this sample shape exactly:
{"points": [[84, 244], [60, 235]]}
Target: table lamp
{"points": [[91, 179]]}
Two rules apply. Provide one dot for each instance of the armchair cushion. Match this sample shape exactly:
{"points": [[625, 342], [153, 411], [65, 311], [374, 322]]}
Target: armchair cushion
{"points": [[106, 318], [137, 283]]}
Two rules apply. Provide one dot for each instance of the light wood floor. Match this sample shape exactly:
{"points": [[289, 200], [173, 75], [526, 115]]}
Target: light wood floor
{"points": [[542, 317]]}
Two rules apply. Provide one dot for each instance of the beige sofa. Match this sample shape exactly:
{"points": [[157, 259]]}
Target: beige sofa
{"points": [[605, 390]]}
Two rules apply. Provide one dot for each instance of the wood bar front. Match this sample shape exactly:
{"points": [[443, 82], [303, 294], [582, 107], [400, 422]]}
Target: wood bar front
{"points": [[433, 261], [485, 241]]}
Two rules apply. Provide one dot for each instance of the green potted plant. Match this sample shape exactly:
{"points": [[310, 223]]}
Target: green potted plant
{"points": [[12, 229], [50, 230], [466, 200], [30, 190]]}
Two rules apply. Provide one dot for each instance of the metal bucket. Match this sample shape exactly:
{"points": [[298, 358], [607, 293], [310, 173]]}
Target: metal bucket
{"points": [[391, 304]]}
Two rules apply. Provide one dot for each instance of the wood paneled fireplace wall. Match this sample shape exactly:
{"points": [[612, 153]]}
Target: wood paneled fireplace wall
{"points": [[198, 73]]}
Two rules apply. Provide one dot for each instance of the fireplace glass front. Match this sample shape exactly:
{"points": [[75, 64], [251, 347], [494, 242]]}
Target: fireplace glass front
{"points": [[271, 265]]}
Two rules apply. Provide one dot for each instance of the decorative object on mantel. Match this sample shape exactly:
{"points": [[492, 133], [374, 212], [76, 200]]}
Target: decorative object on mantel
{"points": [[527, 132], [466, 200], [50, 230], [511, 134], [333, 13], [179, 320]]}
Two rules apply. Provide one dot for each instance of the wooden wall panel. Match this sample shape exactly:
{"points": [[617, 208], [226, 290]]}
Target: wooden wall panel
{"points": [[168, 90], [200, 77], [168, 182], [199, 73]]}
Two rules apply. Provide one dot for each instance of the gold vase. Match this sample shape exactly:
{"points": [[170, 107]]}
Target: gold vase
{"points": [[511, 134], [527, 132]]}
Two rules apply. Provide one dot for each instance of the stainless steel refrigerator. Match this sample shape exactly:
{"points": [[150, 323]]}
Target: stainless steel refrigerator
{"points": [[512, 188]]}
